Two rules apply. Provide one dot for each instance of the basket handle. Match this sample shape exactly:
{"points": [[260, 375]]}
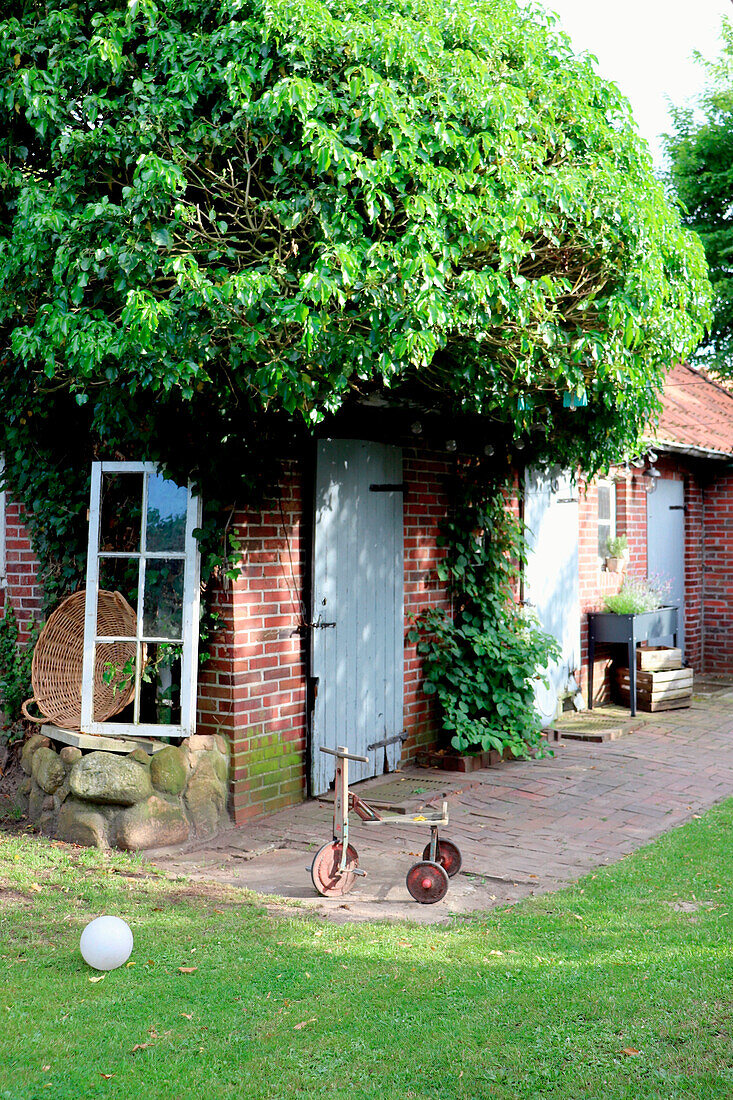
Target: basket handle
{"points": [[32, 717]]}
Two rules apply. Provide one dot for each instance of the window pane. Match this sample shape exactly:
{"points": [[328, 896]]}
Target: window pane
{"points": [[166, 519], [160, 690], [604, 502], [114, 681], [604, 532], [122, 502], [163, 612], [113, 617]]}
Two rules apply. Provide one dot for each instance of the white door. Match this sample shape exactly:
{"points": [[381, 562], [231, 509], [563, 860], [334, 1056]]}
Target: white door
{"points": [[551, 581], [665, 529], [357, 648]]}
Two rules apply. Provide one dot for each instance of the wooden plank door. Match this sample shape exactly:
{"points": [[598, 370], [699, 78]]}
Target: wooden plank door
{"points": [[357, 607], [551, 576], [665, 524]]}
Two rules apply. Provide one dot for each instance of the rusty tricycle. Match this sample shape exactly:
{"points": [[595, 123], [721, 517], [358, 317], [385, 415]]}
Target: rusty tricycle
{"points": [[335, 866]]}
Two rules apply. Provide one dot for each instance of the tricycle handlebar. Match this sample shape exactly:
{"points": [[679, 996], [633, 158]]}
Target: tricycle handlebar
{"points": [[343, 754]]}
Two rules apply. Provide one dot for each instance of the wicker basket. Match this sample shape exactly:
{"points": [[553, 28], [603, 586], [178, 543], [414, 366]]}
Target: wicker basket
{"points": [[56, 671]]}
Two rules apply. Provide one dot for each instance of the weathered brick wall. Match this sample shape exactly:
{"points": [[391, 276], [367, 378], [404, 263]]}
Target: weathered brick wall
{"points": [[22, 586], [254, 687], [425, 475], [717, 568]]}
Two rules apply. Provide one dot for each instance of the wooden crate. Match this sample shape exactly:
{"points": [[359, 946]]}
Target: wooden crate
{"points": [[663, 690], [656, 658]]}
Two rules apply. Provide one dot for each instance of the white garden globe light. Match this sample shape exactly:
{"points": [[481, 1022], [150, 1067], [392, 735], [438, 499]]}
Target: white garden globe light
{"points": [[106, 943]]}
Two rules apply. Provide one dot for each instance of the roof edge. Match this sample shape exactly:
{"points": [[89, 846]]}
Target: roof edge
{"points": [[691, 449]]}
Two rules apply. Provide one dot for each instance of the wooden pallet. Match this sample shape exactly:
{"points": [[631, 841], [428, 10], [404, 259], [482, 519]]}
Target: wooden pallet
{"points": [[653, 705], [656, 658], [663, 690]]}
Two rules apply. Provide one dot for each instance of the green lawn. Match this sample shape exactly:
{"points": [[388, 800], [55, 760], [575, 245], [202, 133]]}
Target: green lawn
{"points": [[617, 987]]}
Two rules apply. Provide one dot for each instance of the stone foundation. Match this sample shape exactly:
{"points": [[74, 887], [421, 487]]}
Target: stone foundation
{"points": [[106, 800]]}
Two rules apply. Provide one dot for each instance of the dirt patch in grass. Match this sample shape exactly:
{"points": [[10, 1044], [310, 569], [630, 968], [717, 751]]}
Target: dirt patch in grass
{"points": [[10, 897]]}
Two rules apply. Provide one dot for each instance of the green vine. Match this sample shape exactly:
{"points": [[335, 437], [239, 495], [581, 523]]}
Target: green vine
{"points": [[480, 663], [15, 666]]}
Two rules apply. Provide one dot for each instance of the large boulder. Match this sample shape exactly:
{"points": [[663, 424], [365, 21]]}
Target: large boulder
{"points": [[205, 797], [104, 777], [154, 823], [80, 823], [47, 769], [168, 770], [30, 748]]}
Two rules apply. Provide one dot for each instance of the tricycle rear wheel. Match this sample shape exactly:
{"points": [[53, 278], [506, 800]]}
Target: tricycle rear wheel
{"points": [[427, 882], [449, 856]]}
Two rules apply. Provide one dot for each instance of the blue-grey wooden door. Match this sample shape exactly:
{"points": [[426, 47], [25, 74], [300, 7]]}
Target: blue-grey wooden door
{"points": [[358, 587]]}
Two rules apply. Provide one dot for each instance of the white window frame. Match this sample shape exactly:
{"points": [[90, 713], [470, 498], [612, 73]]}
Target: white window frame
{"points": [[191, 585], [611, 486]]}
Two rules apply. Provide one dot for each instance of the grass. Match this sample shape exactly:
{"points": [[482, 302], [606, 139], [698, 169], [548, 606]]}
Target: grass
{"points": [[617, 987]]}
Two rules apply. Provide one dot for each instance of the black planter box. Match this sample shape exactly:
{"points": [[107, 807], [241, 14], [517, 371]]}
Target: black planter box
{"points": [[628, 630]]}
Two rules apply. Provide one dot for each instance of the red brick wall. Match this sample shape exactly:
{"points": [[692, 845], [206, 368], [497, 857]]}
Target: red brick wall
{"points": [[22, 587], [254, 687], [426, 503], [717, 584]]}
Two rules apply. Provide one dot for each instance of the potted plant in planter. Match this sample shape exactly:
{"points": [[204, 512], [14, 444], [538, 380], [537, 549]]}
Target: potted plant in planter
{"points": [[617, 554]]}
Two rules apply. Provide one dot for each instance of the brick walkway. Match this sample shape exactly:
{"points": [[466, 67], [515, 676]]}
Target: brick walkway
{"points": [[523, 827]]}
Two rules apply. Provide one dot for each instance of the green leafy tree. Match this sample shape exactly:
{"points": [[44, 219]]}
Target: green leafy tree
{"points": [[222, 217], [701, 174]]}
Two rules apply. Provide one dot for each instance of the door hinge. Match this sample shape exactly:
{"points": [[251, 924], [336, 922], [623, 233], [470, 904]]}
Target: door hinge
{"points": [[678, 507], [388, 487]]}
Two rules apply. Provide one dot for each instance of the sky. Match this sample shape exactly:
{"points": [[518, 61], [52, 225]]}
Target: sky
{"points": [[646, 47]]}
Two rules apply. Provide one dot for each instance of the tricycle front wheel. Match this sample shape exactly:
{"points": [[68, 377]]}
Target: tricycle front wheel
{"points": [[325, 869]]}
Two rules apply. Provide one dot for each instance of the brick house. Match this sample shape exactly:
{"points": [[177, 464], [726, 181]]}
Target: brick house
{"points": [[353, 540], [679, 523]]}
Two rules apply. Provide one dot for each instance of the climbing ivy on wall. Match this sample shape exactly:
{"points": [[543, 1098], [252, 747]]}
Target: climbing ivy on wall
{"points": [[480, 662]]}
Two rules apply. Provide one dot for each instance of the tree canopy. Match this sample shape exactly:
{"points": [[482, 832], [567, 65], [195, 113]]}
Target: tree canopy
{"points": [[217, 212], [701, 155]]}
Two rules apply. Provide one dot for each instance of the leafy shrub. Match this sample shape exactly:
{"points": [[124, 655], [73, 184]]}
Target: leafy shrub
{"points": [[15, 665], [481, 664], [638, 594]]}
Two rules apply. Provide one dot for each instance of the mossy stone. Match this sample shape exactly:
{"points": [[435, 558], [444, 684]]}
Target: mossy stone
{"points": [[47, 769], [155, 823], [168, 770], [80, 823], [32, 745], [105, 777]]}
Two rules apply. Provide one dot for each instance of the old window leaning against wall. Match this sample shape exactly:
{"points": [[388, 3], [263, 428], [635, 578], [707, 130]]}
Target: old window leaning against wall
{"points": [[142, 604], [606, 515]]}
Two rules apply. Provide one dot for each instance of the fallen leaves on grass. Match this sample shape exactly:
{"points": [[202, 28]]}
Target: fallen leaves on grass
{"points": [[140, 1046], [107, 1076], [187, 969], [630, 1050], [305, 1023], [35, 888], [97, 977]]}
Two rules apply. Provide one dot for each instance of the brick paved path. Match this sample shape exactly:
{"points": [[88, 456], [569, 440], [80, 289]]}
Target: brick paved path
{"points": [[523, 827]]}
